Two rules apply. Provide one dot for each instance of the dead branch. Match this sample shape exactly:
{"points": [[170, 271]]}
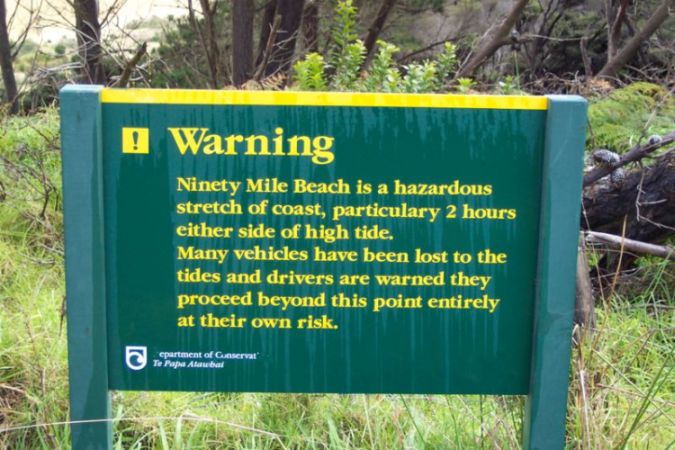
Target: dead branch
{"points": [[131, 65], [583, 47], [268, 48], [213, 76], [644, 200], [584, 309], [615, 22], [310, 26], [280, 57], [628, 51], [638, 247], [635, 154], [376, 27], [33, 18], [498, 39], [424, 49]]}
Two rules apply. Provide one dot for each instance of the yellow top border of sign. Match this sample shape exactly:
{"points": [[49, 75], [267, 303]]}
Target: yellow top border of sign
{"points": [[290, 98]]}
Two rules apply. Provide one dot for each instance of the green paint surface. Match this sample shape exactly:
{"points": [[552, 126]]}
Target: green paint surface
{"points": [[392, 351]]}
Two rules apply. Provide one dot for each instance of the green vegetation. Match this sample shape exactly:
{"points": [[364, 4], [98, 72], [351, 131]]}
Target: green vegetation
{"points": [[628, 116], [621, 393], [344, 70]]}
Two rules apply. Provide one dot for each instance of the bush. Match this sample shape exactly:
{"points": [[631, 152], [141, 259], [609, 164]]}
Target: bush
{"points": [[628, 116]]}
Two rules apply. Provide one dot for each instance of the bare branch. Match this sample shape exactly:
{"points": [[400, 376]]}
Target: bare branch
{"points": [[376, 27], [638, 247], [628, 51], [635, 154], [615, 24], [131, 65], [268, 48], [495, 41]]}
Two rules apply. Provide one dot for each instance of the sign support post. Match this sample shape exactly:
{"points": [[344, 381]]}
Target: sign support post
{"points": [[82, 156], [546, 406]]}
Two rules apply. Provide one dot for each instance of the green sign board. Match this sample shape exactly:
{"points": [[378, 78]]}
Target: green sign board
{"points": [[320, 242]]}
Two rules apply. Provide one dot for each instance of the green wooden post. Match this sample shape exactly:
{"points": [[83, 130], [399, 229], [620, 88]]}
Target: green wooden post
{"points": [[546, 406], [85, 274]]}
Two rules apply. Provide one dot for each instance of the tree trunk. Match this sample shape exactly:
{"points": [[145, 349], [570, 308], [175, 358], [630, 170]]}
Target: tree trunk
{"points": [[646, 199], [376, 27], [584, 308], [89, 41], [265, 28], [497, 39], [281, 57], [211, 43], [642, 208], [615, 20], [310, 26], [8, 79], [628, 52], [243, 12]]}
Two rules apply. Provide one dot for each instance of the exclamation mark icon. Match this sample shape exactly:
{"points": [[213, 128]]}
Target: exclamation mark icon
{"points": [[134, 137], [135, 141]]}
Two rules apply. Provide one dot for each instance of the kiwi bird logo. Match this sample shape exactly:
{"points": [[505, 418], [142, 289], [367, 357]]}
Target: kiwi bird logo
{"points": [[136, 356]]}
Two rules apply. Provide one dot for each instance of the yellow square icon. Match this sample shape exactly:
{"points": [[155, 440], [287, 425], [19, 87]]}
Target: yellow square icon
{"points": [[136, 140]]}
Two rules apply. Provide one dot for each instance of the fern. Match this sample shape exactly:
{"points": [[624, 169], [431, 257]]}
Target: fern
{"points": [[619, 120]]}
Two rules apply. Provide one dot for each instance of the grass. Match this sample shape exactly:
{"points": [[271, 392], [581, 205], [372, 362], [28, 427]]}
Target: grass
{"points": [[621, 393]]}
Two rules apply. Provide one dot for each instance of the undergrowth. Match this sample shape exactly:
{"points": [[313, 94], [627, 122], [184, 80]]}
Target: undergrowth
{"points": [[629, 116], [621, 392], [346, 68]]}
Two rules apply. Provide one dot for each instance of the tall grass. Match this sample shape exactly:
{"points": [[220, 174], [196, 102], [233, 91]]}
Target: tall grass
{"points": [[621, 381]]}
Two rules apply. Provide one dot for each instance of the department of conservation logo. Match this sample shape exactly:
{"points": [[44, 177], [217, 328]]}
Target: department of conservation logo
{"points": [[136, 356]]}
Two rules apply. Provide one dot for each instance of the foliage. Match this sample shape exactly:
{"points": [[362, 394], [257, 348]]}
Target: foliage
{"points": [[419, 77], [628, 116], [33, 383], [347, 66], [465, 85], [347, 52], [346, 61], [447, 60], [180, 59], [382, 75], [344, 28], [508, 85], [309, 73], [435, 5]]}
